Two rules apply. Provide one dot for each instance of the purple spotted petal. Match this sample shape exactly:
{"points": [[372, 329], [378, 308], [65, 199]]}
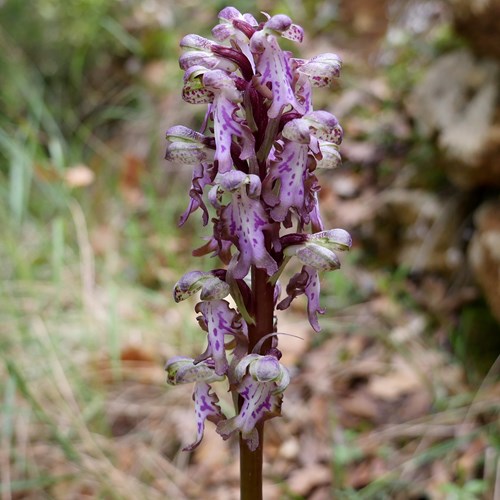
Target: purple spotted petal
{"points": [[305, 282], [259, 403], [205, 59], [181, 133], [203, 175], [196, 42], [220, 320], [186, 153], [312, 292], [283, 25], [297, 131], [206, 408], [244, 221], [324, 126], [294, 33], [321, 69], [274, 68], [284, 184], [188, 285], [193, 90], [226, 122]]}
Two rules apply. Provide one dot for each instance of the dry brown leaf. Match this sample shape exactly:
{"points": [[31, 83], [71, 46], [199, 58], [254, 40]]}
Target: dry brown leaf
{"points": [[390, 387], [303, 481], [360, 404]]}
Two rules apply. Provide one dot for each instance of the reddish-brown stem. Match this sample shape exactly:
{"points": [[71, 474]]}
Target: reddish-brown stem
{"points": [[251, 461]]}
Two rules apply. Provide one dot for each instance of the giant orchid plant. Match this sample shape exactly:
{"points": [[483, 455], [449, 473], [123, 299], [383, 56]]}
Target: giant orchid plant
{"points": [[254, 178]]}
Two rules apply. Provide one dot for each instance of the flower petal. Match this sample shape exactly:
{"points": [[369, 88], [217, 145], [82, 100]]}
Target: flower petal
{"points": [[321, 69], [220, 320], [316, 256], [226, 122], [284, 185], [334, 239], [274, 68], [212, 288], [259, 403], [206, 408], [182, 370], [306, 281], [244, 221]]}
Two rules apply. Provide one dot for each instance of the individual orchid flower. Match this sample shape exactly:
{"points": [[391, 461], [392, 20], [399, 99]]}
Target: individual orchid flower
{"points": [[273, 65], [244, 221], [285, 187], [226, 121], [182, 370], [190, 148], [262, 392]]}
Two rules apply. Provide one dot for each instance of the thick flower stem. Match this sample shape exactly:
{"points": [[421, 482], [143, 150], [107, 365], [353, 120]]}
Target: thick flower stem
{"points": [[251, 468], [251, 461]]}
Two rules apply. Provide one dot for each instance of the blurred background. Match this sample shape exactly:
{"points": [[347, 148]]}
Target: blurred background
{"points": [[397, 398]]}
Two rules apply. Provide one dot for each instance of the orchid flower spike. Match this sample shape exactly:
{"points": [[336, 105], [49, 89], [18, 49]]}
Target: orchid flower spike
{"points": [[254, 164]]}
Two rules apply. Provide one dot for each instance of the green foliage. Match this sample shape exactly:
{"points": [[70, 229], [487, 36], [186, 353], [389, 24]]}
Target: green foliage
{"points": [[476, 340], [471, 490]]}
